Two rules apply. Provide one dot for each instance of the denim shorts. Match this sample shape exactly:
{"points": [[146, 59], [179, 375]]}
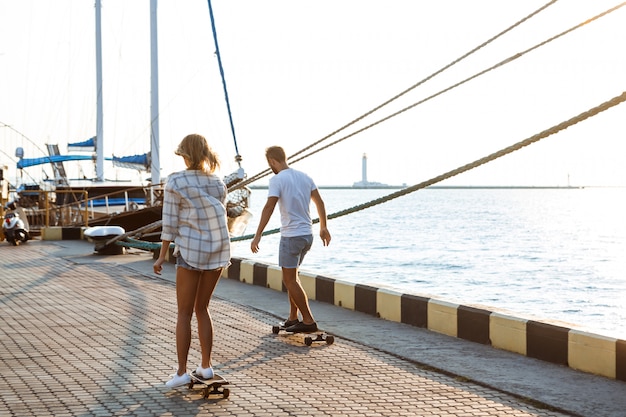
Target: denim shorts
{"points": [[292, 250], [181, 262]]}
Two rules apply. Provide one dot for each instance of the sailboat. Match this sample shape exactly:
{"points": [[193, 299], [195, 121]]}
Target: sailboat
{"points": [[61, 201], [106, 203]]}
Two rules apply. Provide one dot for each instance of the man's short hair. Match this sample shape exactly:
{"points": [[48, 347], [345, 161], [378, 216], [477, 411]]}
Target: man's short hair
{"points": [[277, 153]]}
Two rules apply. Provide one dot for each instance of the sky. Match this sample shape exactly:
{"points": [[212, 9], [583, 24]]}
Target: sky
{"points": [[298, 71]]}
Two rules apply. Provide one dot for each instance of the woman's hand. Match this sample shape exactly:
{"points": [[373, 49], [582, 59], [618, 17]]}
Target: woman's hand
{"points": [[158, 266]]}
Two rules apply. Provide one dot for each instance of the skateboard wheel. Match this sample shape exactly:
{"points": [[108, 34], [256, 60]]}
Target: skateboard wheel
{"points": [[275, 329], [308, 341], [330, 340], [226, 392]]}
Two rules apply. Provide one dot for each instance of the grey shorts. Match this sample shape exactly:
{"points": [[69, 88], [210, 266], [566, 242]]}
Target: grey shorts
{"points": [[292, 250]]}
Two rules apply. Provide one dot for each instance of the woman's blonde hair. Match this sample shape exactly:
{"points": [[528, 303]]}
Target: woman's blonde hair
{"points": [[198, 154]]}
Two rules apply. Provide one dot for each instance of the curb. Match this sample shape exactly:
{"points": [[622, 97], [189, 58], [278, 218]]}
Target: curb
{"points": [[62, 233], [587, 352]]}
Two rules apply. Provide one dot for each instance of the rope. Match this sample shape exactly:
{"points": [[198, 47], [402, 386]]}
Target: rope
{"points": [[139, 244], [519, 145], [137, 232], [501, 63], [505, 151], [397, 96], [219, 61], [535, 138], [478, 74]]}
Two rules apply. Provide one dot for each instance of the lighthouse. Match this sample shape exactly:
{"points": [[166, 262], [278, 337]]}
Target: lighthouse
{"points": [[364, 183], [364, 169]]}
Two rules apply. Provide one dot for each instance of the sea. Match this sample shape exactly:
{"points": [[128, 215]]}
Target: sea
{"points": [[551, 254]]}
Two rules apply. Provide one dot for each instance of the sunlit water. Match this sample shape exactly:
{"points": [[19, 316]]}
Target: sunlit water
{"points": [[553, 254]]}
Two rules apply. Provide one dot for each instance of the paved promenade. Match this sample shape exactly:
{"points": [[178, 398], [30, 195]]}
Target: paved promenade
{"points": [[90, 335]]}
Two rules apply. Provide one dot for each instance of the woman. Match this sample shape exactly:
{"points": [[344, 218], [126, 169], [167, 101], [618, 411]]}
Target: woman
{"points": [[194, 217]]}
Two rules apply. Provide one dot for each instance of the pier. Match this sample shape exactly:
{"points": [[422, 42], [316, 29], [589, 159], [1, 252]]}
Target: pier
{"points": [[87, 334]]}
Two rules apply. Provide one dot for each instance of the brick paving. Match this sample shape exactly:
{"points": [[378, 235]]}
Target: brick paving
{"points": [[97, 339]]}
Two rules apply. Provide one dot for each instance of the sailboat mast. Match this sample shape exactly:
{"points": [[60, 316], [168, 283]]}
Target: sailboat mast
{"points": [[99, 112], [155, 165]]}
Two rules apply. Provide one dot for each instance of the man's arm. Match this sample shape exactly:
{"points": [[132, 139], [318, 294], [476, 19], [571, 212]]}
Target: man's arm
{"points": [[321, 212], [268, 209]]}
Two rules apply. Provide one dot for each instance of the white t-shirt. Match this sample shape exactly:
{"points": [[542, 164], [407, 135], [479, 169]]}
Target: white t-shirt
{"points": [[293, 189]]}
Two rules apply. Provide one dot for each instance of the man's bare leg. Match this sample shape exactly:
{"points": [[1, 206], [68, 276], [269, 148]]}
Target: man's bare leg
{"points": [[293, 309], [297, 295]]}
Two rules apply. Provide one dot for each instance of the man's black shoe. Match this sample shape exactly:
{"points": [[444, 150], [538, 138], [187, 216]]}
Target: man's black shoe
{"points": [[289, 323], [302, 328]]}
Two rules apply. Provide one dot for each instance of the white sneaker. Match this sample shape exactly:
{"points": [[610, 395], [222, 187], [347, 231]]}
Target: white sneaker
{"points": [[178, 380], [206, 373]]}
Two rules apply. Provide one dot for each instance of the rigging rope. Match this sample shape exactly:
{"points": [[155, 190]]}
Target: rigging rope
{"points": [[219, 61], [519, 145], [499, 64], [397, 96], [505, 151], [535, 138], [2, 124]]}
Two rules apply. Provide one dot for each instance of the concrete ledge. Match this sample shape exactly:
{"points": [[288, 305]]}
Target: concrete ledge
{"points": [[508, 333], [414, 310], [275, 279], [389, 305], [307, 281], [442, 317], [546, 341], [62, 233], [324, 289], [344, 294], [246, 271], [473, 324], [593, 354]]}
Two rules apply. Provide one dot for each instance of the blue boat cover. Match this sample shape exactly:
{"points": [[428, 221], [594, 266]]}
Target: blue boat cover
{"points": [[52, 159], [140, 162], [88, 145]]}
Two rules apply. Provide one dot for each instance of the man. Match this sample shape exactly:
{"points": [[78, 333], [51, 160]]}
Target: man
{"points": [[293, 191]]}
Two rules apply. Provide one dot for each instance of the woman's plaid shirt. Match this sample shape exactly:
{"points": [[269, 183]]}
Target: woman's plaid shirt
{"points": [[194, 217]]}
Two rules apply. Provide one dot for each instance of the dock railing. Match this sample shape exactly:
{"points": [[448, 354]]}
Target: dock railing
{"points": [[78, 208]]}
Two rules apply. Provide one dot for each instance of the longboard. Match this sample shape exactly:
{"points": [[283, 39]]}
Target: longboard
{"points": [[213, 386], [310, 338]]}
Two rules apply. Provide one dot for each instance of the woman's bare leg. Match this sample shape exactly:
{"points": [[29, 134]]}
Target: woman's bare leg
{"points": [[186, 288], [206, 286]]}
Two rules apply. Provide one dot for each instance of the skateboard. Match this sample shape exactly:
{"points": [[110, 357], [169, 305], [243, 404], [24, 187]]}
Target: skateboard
{"points": [[213, 386], [310, 338]]}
